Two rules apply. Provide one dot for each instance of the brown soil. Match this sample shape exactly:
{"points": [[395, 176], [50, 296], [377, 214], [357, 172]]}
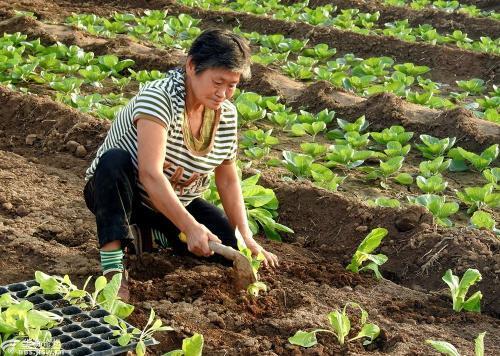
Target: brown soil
{"points": [[443, 21], [44, 225]]}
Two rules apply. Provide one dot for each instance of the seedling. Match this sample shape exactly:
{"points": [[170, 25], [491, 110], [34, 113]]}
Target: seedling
{"points": [[479, 197], [260, 138], [394, 148], [474, 86], [313, 149], [459, 289], [483, 220], [450, 350], [492, 175], [384, 202], [394, 133], [385, 170], [481, 161], [363, 253], [340, 327], [432, 147], [432, 184], [310, 129], [135, 334], [254, 288], [325, 178], [345, 155], [438, 206], [434, 167], [192, 346], [298, 164]]}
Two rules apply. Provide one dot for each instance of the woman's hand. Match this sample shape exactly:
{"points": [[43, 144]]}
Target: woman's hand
{"points": [[197, 240], [270, 259]]}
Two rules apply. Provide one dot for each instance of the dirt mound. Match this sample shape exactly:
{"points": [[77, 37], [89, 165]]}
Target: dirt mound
{"points": [[386, 109], [333, 225], [52, 124]]}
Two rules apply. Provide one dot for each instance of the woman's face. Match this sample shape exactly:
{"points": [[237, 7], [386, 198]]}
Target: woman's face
{"points": [[212, 86]]}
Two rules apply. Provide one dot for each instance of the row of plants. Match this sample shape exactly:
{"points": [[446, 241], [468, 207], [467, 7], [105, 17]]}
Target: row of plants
{"points": [[378, 155], [362, 76], [445, 5], [350, 20], [373, 75], [364, 260]]}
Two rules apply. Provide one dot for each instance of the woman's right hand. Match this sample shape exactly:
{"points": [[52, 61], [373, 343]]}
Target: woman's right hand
{"points": [[197, 240]]}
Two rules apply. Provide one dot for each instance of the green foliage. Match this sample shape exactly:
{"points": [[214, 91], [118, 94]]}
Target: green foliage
{"points": [[438, 206], [492, 175], [385, 170], [192, 346], [394, 148], [411, 69], [298, 164], [477, 198], [459, 289], [474, 86], [259, 137], [325, 178], [313, 149], [481, 161], [340, 327], [394, 133], [135, 335], [321, 51], [483, 220], [254, 288], [384, 202], [345, 155], [432, 147], [434, 167], [363, 253], [450, 350], [432, 184], [310, 129]]}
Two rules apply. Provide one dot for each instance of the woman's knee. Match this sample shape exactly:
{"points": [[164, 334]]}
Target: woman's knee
{"points": [[115, 160]]}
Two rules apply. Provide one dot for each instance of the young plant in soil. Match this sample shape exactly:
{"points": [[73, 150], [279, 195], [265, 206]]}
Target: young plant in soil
{"points": [[364, 253], [438, 206], [459, 289], [433, 184], [192, 346], [434, 167], [477, 198], [450, 350], [483, 220], [432, 147], [254, 288], [479, 161], [386, 170], [393, 133], [125, 337], [340, 325]]}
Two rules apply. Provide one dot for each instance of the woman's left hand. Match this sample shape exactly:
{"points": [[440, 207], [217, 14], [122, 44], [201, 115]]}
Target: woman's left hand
{"points": [[270, 259]]}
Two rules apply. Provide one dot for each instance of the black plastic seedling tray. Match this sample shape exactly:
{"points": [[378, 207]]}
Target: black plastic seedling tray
{"points": [[81, 332]]}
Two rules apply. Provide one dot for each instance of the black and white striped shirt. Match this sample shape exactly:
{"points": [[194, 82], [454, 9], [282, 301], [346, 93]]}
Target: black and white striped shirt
{"points": [[187, 171]]}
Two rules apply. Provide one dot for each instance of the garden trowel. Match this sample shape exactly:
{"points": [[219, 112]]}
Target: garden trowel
{"points": [[244, 274]]}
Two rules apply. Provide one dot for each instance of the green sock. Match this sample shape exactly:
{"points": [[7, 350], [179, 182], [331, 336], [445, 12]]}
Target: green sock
{"points": [[112, 261]]}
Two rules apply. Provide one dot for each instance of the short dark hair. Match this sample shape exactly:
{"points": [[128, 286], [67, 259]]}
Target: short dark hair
{"points": [[217, 48]]}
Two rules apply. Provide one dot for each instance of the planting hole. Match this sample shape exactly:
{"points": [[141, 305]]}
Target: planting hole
{"points": [[22, 294], [3, 290], [98, 313], [64, 338], [90, 324], [80, 318], [54, 296], [81, 334], [31, 283], [55, 332], [101, 346], [17, 287], [45, 306], [81, 351], [99, 330], [91, 340], [71, 328], [35, 299], [108, 336], [71, 345], [71, 310]]}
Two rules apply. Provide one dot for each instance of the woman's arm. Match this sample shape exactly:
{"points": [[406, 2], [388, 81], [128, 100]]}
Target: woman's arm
{"points": [[229, 188], [151, 146]]}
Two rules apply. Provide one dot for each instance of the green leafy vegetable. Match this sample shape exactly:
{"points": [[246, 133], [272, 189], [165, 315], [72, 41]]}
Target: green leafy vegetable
{"points": [[459, 289], [363, 253]]}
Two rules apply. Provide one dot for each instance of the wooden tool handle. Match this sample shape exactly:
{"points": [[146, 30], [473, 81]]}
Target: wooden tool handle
{"points": [[220, 249]]}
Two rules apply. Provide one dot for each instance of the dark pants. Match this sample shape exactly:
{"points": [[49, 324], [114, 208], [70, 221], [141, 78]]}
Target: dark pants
{"points": [[113, 197]]}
